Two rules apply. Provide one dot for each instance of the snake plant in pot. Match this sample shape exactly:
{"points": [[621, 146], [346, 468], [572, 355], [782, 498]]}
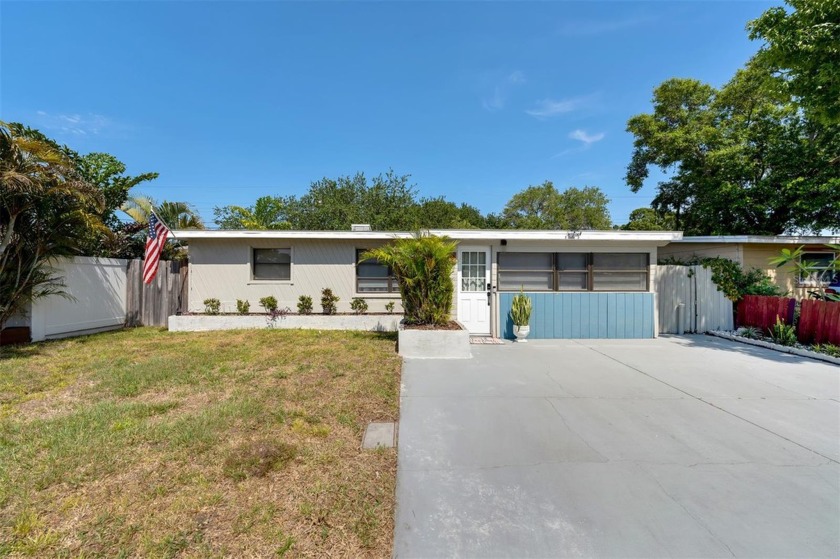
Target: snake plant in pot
{"points": [[520, 314]]}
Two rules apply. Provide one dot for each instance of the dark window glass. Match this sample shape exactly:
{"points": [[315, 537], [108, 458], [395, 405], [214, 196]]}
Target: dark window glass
{"points": [[273, 263], [373, 277]]}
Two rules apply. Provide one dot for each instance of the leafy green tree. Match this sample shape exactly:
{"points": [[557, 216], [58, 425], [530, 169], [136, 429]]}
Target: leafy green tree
{"points": [[176, 215], [439, 213], [803, 47], [543, 207], [743, 159], [46, 210], [648, 219], [268, 212], [107, 173]]}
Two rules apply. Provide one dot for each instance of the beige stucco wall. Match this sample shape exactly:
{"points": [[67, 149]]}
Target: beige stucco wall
{"points": [[687, 251], [221, 268]]}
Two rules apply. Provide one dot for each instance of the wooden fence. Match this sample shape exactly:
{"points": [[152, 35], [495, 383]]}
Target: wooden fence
{"points": [[152, 304], [689, 301], [761, 311], [819, 322]]}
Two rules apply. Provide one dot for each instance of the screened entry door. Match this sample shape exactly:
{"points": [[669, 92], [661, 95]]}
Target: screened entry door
{"points": [[473, 292]]}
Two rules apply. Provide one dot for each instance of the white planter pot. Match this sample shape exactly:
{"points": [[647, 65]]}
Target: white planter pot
{"points": [[521, 332]]}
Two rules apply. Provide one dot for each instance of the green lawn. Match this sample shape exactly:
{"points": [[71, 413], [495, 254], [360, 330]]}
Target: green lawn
{"points": [[241, 443]]}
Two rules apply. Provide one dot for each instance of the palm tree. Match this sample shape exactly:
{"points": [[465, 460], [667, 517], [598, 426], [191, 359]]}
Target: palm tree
{"points": [[176, 215]]}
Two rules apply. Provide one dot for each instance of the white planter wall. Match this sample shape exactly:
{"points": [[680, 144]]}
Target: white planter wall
{"points": [[202, 323]]}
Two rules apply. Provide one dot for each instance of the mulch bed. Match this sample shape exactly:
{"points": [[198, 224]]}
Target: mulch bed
{"points": [[451, 325]]}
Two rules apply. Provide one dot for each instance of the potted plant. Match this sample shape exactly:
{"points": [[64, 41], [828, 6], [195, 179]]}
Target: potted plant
{"points": [[520, 314]]}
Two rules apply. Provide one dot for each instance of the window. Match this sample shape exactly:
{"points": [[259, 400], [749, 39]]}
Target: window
{"points": [[373, 277], [822, 262], [573, 271], [272, 264]]}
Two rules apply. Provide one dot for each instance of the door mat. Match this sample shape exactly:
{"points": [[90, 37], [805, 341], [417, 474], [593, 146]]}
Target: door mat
{"points": [[485, 340]]}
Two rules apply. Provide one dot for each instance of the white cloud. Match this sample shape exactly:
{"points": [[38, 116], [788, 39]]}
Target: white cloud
{"points": [[502, 90], [550, 107], [587, 139], [73, 123]]}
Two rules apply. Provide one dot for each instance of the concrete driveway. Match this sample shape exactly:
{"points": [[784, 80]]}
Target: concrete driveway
{"points": [[689, 447]]}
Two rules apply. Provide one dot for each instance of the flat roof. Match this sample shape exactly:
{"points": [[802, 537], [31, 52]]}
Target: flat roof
{"points": [[455, 234], [763, 239]]}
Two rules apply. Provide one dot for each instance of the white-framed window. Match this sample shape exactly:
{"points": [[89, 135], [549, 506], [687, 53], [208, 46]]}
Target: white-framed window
{"points": [[822, 263], [373, 277], [273, 264], [574, 271]]}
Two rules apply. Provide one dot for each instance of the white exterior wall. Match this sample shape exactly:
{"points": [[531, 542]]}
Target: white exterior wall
{"points": [[221, 269], [98, 289]]}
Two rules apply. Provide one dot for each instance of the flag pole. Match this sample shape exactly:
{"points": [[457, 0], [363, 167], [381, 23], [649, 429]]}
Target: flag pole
{"points": [[171, 234]]}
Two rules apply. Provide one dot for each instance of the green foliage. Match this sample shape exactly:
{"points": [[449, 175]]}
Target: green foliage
{"points": [[423, 267], [358, 305], [749, 332], [829, 349], [810, 270], [304, 305], [742, 159], [389, 307], [212, 306], [269, 303], [268, 212], [46, 210], [648, 219], [543, 207], [734, 282], [520, 309], [783, 334], [242, 307], [803, 47], [329, 301]]}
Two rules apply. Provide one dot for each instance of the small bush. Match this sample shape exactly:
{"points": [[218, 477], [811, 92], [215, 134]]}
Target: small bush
{"points": [[242, 307], [256, 459], [212, 306], [269, 303], [359, 305], [783, 334], [304, 304], [749, 332], [329, 301], [390, 307], [829, 349]]}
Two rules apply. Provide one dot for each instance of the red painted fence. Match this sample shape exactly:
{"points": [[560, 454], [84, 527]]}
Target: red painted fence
{"points": [[819, 322], [761, 311]]}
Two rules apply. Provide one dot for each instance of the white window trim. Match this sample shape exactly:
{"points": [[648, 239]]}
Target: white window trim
{"points": [[802, 282], [256, 281]]}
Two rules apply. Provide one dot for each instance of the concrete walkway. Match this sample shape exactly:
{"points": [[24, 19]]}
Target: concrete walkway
{"points": [[685, 447]]}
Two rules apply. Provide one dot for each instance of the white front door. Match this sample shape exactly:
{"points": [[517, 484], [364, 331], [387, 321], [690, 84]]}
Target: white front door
{"points": [[473, 289]]}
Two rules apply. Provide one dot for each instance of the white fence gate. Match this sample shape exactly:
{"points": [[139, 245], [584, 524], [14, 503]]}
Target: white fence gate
{"points": [[689, 301], [98, 299]]}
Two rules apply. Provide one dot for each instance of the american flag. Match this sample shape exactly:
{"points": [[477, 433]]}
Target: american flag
{"points": [[154, 246]]}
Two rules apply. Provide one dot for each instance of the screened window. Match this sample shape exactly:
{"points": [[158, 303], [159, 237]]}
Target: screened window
{"points": [[822, 262], [272, 264], [573, 271], [531, 271], [373, 277]]}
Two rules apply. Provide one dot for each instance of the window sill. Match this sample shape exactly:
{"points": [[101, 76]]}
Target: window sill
{"points": [[270, 282], [369, 295]]}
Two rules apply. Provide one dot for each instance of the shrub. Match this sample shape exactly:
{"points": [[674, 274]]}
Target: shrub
{"points": [[520, 309], [242, 307], [328, 301], [212, 306], [783, 334], [423, 267], [829, 349], [304, 304], [749, 332], [269, 303], [734, 282], [389, 307], [359, 305]]}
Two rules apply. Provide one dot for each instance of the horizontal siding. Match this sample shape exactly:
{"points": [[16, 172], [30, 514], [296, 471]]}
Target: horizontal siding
{"points": [[584, 315]]}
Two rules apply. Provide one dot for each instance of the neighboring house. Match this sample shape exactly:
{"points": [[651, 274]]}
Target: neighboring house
{"points": [[585, 284], [755, 251]]}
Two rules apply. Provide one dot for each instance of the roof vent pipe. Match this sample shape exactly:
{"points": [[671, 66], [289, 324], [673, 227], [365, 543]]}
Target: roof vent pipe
{"points": [[360, 227]]}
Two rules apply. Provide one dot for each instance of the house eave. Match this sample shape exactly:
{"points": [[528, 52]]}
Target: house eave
{"points": [[762, 239]]}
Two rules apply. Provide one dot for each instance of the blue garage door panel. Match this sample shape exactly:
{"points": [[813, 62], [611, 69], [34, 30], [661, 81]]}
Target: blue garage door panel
{"points": [[584, 315]]}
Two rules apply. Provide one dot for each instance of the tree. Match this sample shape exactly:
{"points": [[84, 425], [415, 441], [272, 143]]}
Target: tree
{"points": [[648, 219], [176, 215], [743, 159], [803, 47], [46, 210], [268, 212], [543, 207], [107, 173], [439, 213]]}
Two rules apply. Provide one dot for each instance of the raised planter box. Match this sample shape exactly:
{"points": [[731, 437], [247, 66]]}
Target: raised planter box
{"points": [[434, 344], [202, 323]]}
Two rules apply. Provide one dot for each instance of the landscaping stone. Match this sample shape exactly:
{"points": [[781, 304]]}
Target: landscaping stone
{"points": [[380, 435], [777, 347]]}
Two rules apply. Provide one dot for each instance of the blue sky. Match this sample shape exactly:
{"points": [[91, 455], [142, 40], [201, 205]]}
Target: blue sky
{"points": [[229, 101]]}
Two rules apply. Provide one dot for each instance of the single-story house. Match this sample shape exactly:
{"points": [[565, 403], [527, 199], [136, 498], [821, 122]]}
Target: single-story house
{"points": [[755, 251], [584, 284]]}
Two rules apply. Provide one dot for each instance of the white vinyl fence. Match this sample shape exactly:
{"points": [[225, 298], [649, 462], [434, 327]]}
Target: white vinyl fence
{"points": [[97, 302], [689, 301]]}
